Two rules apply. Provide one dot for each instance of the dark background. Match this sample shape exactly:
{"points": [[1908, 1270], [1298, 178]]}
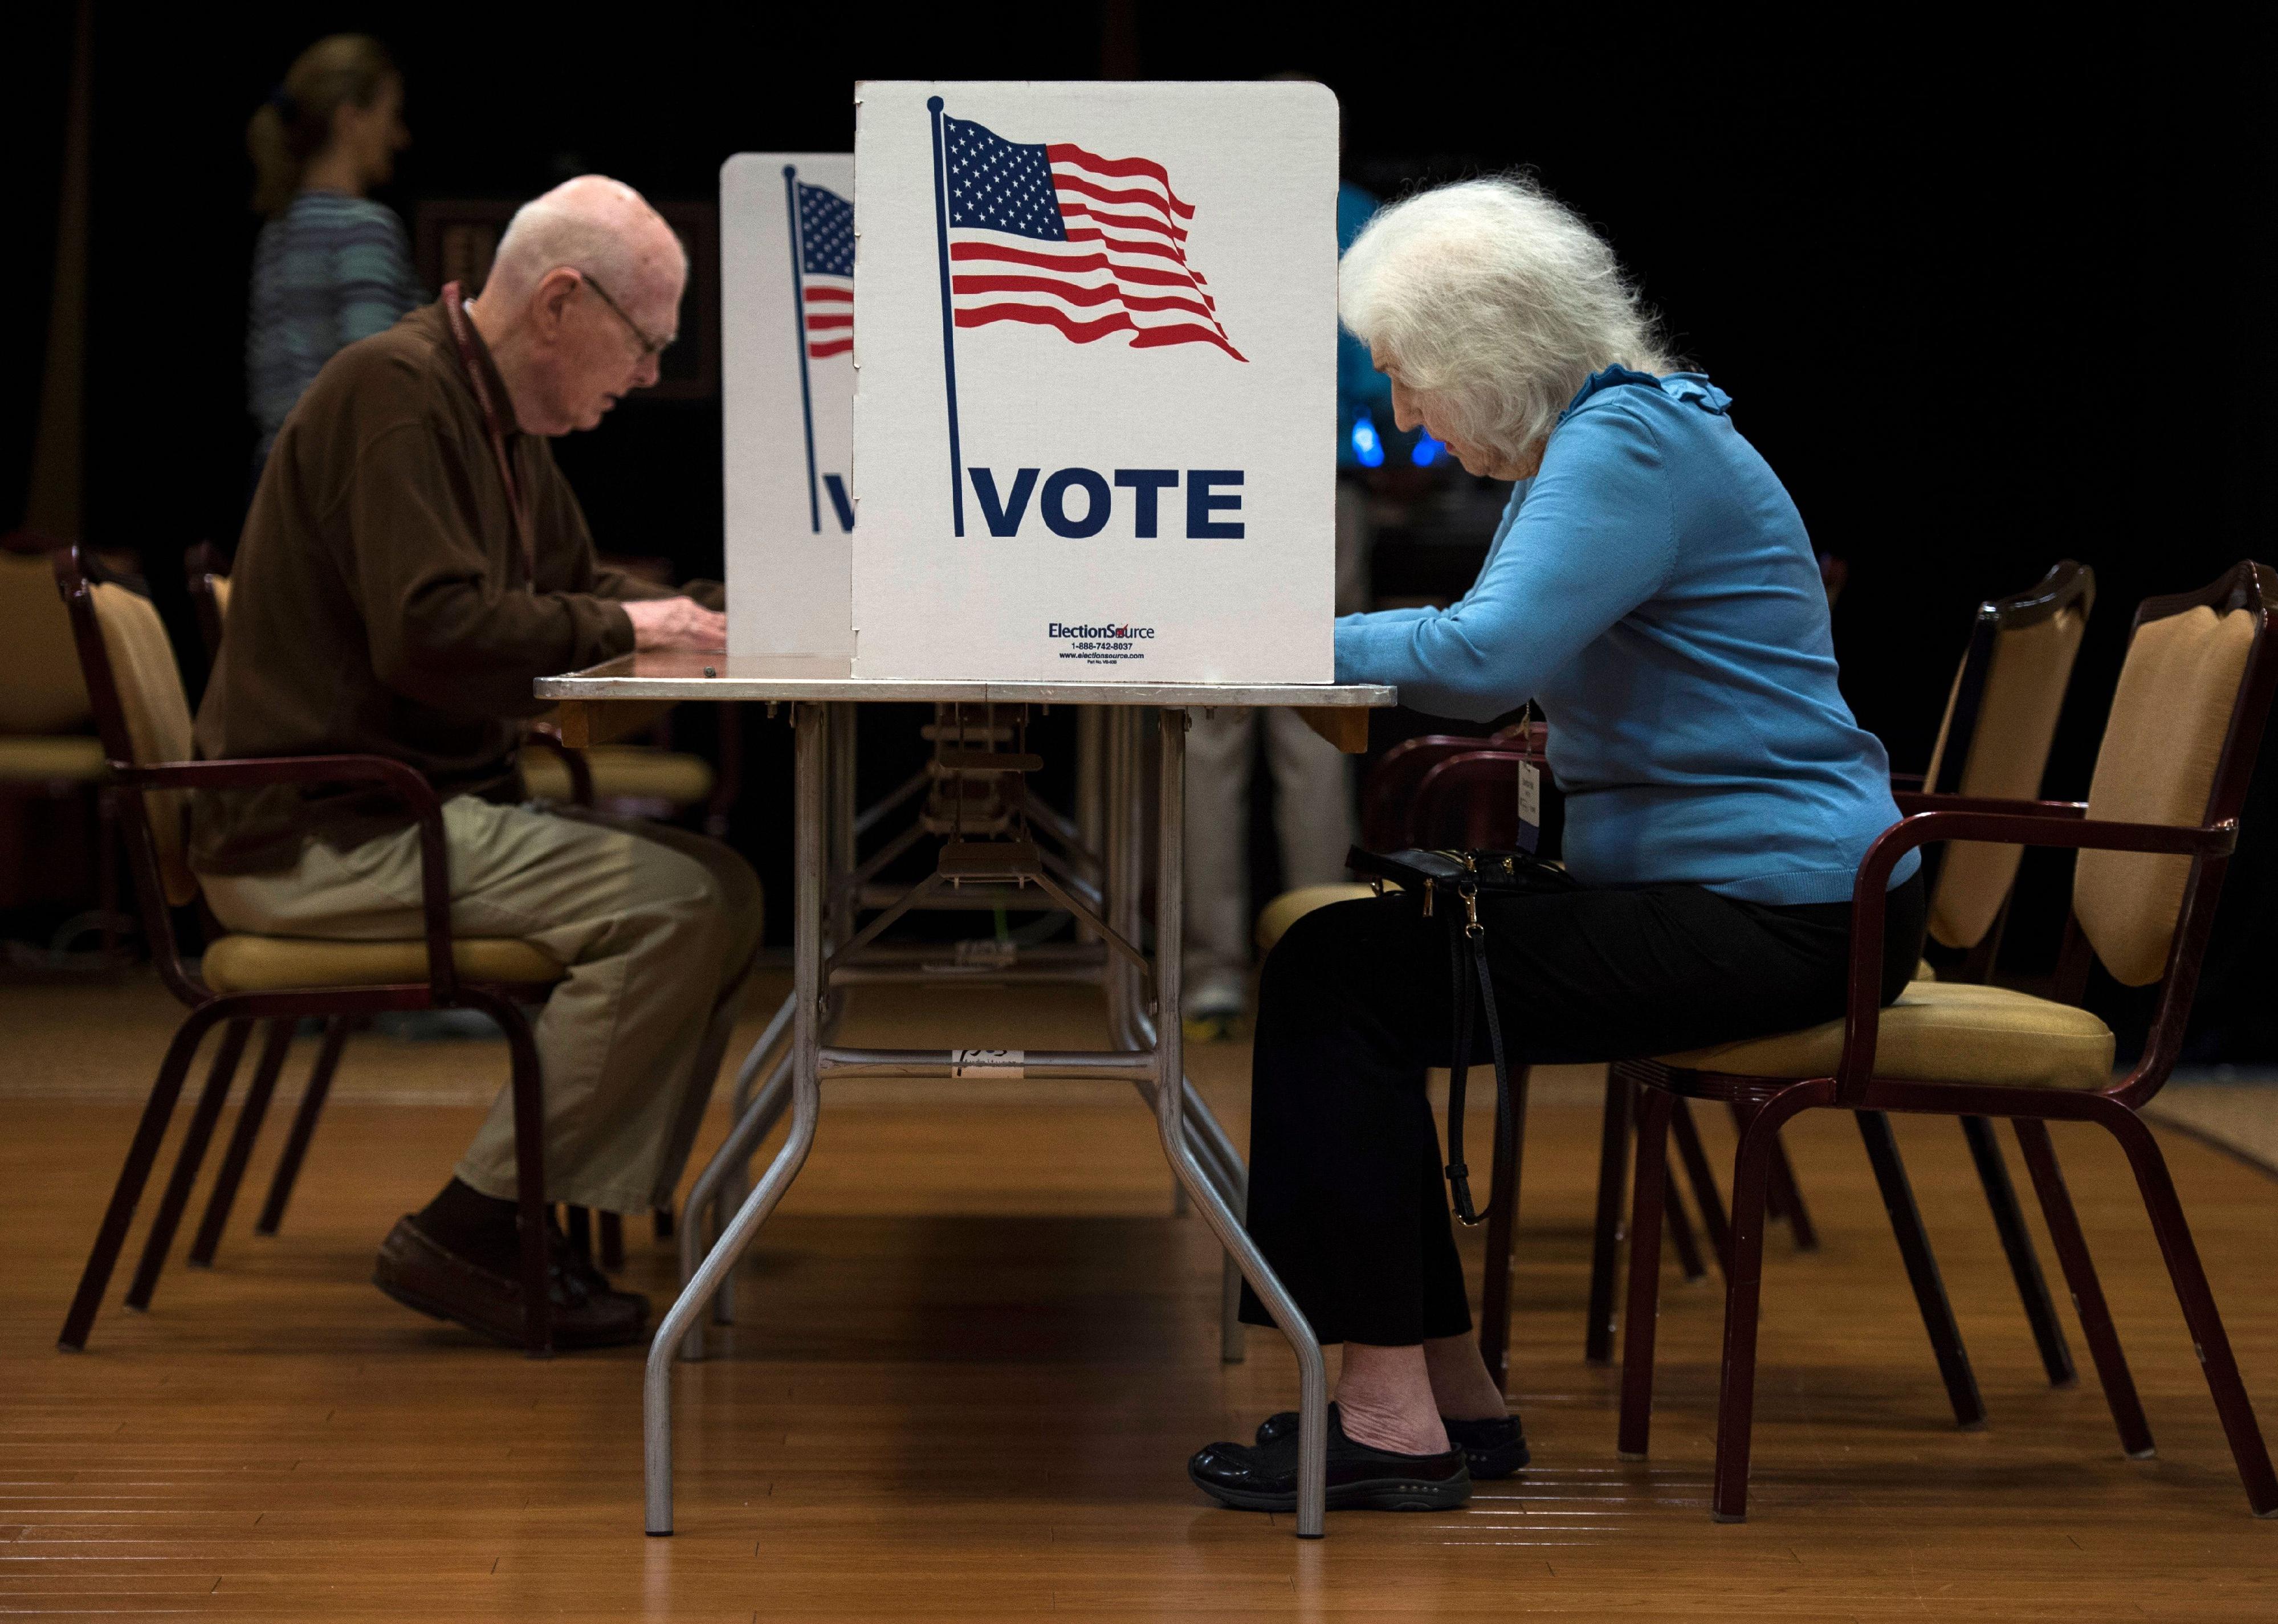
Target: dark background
{"points": [[1984, 300]]}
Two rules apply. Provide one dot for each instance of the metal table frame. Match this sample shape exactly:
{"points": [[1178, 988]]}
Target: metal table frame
{"points": [[1202, 1159]]}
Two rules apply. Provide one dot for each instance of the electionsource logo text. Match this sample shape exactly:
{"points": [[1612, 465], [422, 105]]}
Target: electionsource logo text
{"points": [[1060, 631]]}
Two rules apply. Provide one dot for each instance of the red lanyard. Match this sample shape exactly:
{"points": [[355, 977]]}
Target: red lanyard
{"points": [[454, 313]]}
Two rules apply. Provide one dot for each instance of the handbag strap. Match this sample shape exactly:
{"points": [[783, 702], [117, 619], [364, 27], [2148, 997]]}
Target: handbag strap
{"points": [[1466, 950], [1459, 1067], [1506, 1111]]}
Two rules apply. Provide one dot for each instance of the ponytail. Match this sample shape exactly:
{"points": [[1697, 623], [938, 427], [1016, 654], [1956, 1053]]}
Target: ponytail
{"points": [[293, 125]]}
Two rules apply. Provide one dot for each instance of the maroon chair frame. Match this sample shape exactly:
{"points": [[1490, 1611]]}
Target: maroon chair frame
{"points": [[236, 1012], [1473, 786], [1856, 1085], [205, 568], [1387, 795], [2066, 585]]}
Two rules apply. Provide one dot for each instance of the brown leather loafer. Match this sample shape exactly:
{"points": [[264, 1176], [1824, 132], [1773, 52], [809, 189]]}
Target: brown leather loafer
{"points": [[421, 1274]]}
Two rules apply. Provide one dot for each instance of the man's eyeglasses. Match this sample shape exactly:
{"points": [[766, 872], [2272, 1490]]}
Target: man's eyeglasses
{"points": [[648, 345]]}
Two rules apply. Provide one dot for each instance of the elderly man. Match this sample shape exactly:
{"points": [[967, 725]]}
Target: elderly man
{"points": [[413, 559]]}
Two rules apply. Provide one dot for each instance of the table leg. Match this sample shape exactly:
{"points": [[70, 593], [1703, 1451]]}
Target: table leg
{"points": [[1222, 1162], [721, 1187], [808, 722], [1170, 1108], [841, 850], [1091, 794], [1117, 871]]}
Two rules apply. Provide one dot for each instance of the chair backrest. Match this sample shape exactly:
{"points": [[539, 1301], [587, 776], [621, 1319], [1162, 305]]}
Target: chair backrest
{"points": [[2179, 749], [141, 709], [1387, 794], [209, 581], [2000, 718], [42, 691], [1469, 800]]}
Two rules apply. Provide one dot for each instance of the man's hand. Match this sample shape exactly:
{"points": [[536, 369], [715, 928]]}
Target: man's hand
{"points": [[664, 623]]}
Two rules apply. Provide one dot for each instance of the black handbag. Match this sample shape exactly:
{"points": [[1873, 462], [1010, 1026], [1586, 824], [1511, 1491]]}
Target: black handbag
{"points": [[1461, 878]]}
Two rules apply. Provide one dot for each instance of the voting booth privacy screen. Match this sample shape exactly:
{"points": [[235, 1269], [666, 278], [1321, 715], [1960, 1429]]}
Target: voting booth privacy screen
{"points": [[1094, 412], [787, 330]]}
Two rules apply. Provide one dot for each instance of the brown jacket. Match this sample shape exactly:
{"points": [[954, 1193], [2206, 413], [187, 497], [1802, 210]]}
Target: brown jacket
{"points": [[380, 604]]}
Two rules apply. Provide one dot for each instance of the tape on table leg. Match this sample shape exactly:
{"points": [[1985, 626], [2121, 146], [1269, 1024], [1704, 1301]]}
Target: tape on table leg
{"points": [[988, 1062]]}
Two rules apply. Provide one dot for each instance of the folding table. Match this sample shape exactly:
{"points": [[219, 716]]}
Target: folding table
{"points": [[1143, 991]]}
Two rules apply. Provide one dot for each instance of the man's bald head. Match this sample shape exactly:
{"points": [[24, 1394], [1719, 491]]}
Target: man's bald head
{"points": [[595, 225], [583, 294]]}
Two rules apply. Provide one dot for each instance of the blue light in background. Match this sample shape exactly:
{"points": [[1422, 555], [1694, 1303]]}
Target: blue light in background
{"points": [[1426, 453], [1368, 448]]}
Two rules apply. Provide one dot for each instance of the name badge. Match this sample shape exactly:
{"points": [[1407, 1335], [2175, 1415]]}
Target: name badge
{"points": [[1530, 806]]}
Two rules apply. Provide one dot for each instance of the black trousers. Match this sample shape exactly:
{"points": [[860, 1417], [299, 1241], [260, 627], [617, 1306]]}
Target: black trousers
{"points": [[1348, 1198]]}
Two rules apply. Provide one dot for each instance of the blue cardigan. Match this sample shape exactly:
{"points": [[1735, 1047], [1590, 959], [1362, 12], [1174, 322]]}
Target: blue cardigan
{"points": [[1652, 588]]}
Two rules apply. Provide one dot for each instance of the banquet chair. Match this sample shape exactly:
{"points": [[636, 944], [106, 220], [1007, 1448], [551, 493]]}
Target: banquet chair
{"points": [[551, 770], [206, 572], [47, 754], [2154, 839], [142, 718], [1993, 741], [2000, 718]]}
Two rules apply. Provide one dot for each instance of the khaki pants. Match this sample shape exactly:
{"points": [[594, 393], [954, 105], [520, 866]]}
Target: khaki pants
{"points": [[658, 928]]}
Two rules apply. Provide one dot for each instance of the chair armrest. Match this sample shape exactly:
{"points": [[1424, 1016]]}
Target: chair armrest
{"points": [[2022, 823], [1911, 801], [1500, 752], [547, 735], [416, 792]]}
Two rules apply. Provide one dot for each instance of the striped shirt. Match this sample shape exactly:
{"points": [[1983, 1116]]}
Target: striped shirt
{"points": [[330, 270]]}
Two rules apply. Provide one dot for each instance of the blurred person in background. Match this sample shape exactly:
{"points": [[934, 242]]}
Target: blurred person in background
{"points": [[1313, 819], [332, 265], [414, 560]]}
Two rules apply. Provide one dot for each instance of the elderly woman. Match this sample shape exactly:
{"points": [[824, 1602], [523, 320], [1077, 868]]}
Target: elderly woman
{"points": [[1652, 589]]}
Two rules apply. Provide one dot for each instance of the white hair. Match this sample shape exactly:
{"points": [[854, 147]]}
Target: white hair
{"points": [[1498, 300], [591, 224]]}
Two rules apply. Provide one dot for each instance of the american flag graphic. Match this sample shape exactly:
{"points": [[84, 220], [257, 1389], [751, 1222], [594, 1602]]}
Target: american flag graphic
{"points": [[826, 264], [1048, 233]]}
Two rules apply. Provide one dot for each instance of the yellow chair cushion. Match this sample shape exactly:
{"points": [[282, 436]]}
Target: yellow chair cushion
{"points": [[274, 964], [1940, 1032], [1275, 919], [68, 758], [631, 771]]}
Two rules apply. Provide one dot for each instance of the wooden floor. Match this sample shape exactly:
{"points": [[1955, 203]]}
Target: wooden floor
{"points": [[978, 1349]]}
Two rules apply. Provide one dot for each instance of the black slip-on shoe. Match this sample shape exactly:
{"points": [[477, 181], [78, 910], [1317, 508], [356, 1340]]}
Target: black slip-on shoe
{"points": [[421, 1273], [1492, 1449], [1263, 1477]]}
